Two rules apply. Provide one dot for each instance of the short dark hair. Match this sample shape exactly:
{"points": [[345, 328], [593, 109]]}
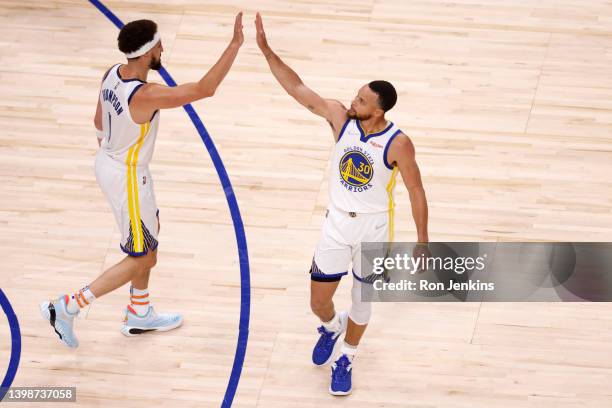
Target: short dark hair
{"points": [[135, 34], [387, 97]]}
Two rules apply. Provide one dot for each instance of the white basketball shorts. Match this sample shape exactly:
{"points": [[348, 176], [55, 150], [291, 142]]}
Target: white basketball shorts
{"points": [[340, 243], [129, 191]]}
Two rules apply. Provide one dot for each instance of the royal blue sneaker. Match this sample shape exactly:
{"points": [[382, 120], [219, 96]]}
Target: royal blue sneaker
{"points": [[341, 377], [324, 349]]}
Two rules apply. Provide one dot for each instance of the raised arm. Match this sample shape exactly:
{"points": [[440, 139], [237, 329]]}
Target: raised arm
{"points": [[401, 152], [154, 96], [330, 109]]}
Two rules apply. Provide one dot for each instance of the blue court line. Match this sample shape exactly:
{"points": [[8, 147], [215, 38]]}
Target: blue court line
{"points": [[243, 254], [15, 344]]}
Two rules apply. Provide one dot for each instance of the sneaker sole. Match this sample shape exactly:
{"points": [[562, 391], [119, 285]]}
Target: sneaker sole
{"points": [[336, 344], [131, 331], [44, 311], [339, 393]]}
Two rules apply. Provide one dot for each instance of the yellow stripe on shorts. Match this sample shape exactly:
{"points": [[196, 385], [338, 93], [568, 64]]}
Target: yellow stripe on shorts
{"points": [[132, 189]]}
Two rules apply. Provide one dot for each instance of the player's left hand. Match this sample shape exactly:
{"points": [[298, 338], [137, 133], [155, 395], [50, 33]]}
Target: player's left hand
{"points": [[421, 250]]}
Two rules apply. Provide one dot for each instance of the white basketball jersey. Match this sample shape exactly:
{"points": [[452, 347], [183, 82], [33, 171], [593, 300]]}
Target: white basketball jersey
{"points": [[362, 180], [125, 141]]}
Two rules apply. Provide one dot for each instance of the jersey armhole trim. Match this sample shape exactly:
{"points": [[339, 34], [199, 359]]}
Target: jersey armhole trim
{"points": [[342, 130], [136, 88], [398, 131]]}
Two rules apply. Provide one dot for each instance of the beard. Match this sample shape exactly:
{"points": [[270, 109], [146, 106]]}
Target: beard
{"points": [[155, 64], [352, 114]]}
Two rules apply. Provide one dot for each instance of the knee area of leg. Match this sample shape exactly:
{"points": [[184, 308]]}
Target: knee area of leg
{"points": [[317, 304], [152, 260], [147, 261]]}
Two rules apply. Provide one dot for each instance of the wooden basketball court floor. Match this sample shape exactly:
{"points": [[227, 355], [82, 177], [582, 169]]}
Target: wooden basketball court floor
{"points": [[509, 104]]}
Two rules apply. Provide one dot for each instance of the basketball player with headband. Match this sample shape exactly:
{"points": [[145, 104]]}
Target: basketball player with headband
{"points": [[126, 122], [368, 153]]}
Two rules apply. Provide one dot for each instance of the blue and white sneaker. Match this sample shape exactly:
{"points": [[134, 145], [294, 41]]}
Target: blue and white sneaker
{"points": [[324, 349], [151, 321], [341, 377], [62, 321]]}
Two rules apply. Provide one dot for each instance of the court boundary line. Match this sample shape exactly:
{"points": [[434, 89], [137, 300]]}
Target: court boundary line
{"points": [[15, 345]]}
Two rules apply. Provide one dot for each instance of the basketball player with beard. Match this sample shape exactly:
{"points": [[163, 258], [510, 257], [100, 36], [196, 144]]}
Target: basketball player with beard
{"points": [[126, 121], [369, 151]]}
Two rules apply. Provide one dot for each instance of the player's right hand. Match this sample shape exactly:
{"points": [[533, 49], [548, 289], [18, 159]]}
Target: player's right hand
{"points": [[261, 35]]}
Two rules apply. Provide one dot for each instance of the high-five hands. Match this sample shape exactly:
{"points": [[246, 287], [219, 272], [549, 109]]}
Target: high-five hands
{"points": [[262, 43], [238, 38]]}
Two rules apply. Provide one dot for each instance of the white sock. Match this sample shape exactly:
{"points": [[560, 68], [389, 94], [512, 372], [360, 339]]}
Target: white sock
{"points": [[334, 324], [79, 300], [139, 300], [348, 350]]}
